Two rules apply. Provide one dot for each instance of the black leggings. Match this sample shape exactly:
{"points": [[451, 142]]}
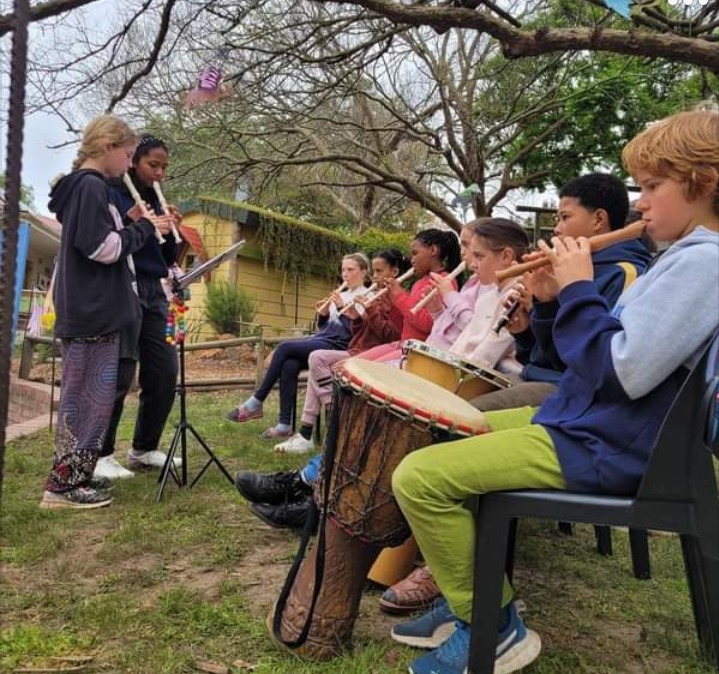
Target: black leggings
{"points": [[158, 374], [288, 360]]}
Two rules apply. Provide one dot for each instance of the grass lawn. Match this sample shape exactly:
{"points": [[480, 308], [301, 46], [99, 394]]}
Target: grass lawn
{"points": [[152, 589]]}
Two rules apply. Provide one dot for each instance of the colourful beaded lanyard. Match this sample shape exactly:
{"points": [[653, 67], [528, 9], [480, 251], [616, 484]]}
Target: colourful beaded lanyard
{"points": [[176, 326]]}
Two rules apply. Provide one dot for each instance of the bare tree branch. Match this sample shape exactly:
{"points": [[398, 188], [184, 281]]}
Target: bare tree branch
{"points": [[44, 10], [152, 58], [345, 114], [518, 43]]}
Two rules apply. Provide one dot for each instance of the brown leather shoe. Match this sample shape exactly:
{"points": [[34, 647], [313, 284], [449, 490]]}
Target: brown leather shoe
{"points": [[416, 591]]}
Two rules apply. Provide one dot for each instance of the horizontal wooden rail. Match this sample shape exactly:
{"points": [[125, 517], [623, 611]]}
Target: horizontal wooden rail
{"points": [[32, 341]]}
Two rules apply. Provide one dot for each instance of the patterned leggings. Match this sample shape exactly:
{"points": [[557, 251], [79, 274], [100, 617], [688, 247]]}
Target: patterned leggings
{"points": [[87, 395]]}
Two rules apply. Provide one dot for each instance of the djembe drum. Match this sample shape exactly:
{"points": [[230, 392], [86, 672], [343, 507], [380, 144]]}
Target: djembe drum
{"points": [[380, 414]]}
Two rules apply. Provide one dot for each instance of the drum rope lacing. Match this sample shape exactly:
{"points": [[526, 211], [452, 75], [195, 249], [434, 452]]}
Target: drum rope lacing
{"points": [[373, 496]]}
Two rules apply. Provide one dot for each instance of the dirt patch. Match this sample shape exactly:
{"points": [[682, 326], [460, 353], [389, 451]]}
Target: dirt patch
{"points": [[77, 564], [263, 569], [237, 361], [238, 358], [10, 575], [205, 580], [627, 638], [43, 372], [373, 623]]}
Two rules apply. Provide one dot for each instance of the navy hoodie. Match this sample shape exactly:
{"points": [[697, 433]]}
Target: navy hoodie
{"points": [[615, 269], [625, 366], [94, 288], [153, 259]]}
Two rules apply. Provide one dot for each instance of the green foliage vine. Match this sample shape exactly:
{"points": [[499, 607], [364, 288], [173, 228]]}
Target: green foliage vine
{"points": [[296, 247]]}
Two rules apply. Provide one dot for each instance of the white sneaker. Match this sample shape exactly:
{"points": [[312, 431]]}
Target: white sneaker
{"points": [[108, 466], [153, 459], [295, 445]]}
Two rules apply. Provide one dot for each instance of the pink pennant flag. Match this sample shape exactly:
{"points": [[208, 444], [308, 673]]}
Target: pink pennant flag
{"points": [[207, 87]]}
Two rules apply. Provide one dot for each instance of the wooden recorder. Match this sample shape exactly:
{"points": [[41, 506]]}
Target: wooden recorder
{"points": [[632, 231]]}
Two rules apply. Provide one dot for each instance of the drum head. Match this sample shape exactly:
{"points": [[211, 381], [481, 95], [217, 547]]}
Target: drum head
{"points": [[408, 394]]}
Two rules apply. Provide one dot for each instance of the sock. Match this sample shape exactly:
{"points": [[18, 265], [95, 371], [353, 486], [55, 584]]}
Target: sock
{"points": [[252, 404], [282, 428], [505, 617], [306, 431]]}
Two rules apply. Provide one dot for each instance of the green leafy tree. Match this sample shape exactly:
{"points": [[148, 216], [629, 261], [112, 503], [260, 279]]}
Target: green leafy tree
{"points": [[27, 196], [607, 104]]}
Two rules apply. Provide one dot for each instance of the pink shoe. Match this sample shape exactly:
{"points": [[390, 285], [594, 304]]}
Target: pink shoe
{"points": [[272, 433], [240, 414]]}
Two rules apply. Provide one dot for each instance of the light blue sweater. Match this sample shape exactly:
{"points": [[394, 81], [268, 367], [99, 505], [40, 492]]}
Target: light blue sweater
{"points": [[624, 367]]}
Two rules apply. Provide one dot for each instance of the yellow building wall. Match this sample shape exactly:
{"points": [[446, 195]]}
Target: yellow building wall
{"points": [[278, 297]]}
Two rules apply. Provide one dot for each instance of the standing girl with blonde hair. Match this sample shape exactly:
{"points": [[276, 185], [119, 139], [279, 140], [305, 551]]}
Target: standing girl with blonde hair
{"points": [[95, 299]]}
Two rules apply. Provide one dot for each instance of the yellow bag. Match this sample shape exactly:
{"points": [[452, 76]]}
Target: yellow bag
{"points": [[47, 317]]}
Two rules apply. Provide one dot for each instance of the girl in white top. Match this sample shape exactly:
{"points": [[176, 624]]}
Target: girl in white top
{"points": [[496, 244], [291, 357]]}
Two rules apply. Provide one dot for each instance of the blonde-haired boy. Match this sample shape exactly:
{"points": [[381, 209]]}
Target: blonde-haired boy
{"points": [[624, 367]]}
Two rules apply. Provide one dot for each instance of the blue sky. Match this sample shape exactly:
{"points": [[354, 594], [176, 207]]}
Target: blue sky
{"points": [[41, 164]]}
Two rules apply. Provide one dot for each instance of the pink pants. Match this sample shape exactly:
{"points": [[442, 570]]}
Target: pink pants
{"points": [[319, 382], [383, 353], [319, 377]]}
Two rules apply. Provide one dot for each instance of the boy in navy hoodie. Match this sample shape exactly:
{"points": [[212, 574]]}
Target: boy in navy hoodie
{"points": [[624, 366], [596, 203]]}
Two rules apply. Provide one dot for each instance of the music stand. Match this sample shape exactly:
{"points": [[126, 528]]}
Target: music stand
{"points": [[179, 438]]}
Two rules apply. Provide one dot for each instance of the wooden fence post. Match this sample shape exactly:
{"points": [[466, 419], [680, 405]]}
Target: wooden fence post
{"points": [[26, 358], [260, 359]]}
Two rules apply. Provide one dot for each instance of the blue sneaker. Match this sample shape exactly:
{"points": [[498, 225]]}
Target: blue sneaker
{"points": [[450, 658], [517, 647], [429, 630]]}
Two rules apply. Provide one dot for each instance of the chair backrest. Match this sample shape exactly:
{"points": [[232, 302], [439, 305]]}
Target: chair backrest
{"points": [[681, 467]]}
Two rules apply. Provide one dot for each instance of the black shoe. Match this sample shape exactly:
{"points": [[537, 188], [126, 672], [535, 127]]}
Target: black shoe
{"points": [[283, 516], [272, 488]]}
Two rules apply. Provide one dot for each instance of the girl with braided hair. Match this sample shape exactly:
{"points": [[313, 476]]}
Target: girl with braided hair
{"points": [[432, 251], [145, 341]]}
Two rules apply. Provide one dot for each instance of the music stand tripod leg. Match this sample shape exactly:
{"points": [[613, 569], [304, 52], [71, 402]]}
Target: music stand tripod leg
{"points": [[169, 468], [210, 461], [180, 438]]}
